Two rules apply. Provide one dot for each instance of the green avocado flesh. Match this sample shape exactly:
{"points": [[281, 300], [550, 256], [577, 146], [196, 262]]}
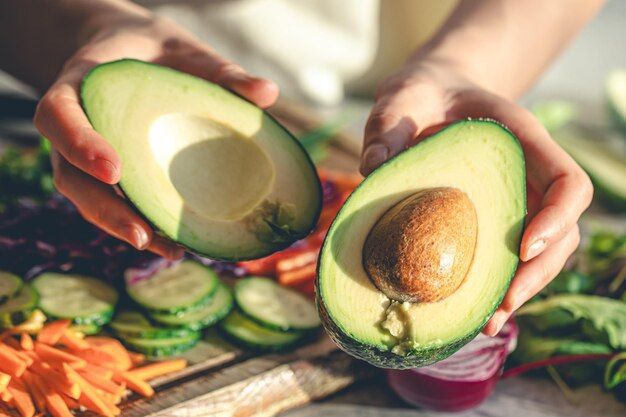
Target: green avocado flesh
{"points": [[485, 161], [208, 169]]}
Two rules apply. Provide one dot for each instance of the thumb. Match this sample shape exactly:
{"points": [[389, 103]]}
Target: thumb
{"points": [[398, 117]]}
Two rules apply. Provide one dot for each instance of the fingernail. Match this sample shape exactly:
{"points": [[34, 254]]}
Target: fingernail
{"points": [[374, 155], [535, 249], [107, 171], [138, 237]]}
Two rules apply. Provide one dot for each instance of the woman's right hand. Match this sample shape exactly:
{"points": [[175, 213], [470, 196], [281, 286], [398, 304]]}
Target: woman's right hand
{"points": [[85, 165]]}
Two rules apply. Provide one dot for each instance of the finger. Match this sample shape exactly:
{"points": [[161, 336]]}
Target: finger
{"points": [[531, 277], [60, 118], [399, 115], [561, 207], [204, 63], [99, 204], [165, 248], [551, 172]]}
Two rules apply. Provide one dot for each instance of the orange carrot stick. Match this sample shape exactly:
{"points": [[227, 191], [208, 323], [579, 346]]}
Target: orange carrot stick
{"points": [[56, 379], [26, 342], [95, 356], [158, 368], [103, 384], [10, 363], [54, 402], [89, 396], [6, 396], [298, 276], [136, 358], [135, 384], [35, 391], [98, 370], [114, 348], [71, 403], [110, 398], [72, 342], [23, 401], [52, 332], [11, 342], [4, 381], [51, 354]]}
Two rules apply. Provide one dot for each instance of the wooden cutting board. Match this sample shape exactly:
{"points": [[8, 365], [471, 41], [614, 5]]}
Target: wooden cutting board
{"points": [[224, 380]]}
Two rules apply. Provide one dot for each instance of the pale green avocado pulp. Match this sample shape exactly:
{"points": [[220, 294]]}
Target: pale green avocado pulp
{"points": [[208, 169], [485, 161]]}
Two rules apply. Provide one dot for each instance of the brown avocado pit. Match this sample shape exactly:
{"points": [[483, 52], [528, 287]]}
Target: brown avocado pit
{"points": [[421, 249]]}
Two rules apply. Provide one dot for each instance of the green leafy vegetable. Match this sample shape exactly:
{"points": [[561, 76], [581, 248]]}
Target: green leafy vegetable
{"points": [[571, 282], [615, 372], [603, 318]]}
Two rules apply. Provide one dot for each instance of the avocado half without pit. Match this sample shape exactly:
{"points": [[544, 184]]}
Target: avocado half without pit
{"points": [[422, 253], [205, 167]]}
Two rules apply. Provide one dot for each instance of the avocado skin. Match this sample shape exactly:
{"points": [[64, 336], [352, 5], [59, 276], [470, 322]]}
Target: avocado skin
{"points": [[416, 358], [136, 205]]}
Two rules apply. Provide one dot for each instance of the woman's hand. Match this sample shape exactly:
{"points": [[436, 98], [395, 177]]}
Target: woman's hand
{"points": [[85, 165], [422, 98]]}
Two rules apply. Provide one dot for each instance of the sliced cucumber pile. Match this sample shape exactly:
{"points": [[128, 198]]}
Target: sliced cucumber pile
{"points": [[82, 299], [186, 286], [10, 285], [18, 307], [274, 306], [177, 303], [269, 317]]}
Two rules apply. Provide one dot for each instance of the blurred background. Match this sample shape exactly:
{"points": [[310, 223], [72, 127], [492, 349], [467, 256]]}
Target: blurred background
{"points": [[327, 73]]}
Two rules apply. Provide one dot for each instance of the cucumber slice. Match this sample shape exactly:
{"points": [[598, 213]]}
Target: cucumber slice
{"points": [[136, 325], [87, 329], [82, 299], [274, 306], [18, 309], [217, 309], [10, 285], [156, 348], [243, 331], [186, 286]]}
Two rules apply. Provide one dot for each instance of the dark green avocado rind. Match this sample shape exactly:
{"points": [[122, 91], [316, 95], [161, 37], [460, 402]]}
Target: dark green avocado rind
{"points": [[137, 205], [376, 355]]}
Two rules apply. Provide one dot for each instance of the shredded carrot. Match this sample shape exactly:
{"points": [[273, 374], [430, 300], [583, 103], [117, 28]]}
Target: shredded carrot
{"points": [[52, 354], [89, 397], [135, 384], [72, 342], [95, 356], [26, 342], [155, 369], [114, 348], [111, 398], [4, 381], [51, 333], [23, 401], [10, 363]]}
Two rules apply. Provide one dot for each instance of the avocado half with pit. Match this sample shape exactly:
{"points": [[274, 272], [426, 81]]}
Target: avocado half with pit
{"points": [[208, 169], [423, 251]]}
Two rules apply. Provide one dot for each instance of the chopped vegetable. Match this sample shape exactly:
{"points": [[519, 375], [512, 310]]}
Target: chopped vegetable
{"points": [[158, 368]]}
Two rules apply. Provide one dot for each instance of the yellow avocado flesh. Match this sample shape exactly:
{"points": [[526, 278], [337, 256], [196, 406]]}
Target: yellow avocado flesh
{"points": [[206, 167], [481, 159]]}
